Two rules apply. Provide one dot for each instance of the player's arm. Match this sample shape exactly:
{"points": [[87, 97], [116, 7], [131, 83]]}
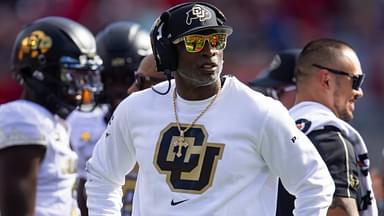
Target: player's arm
{"points": [[291, 156], [339, 156], [342, 206], [82, 197], [113, 157], [19, 166]]}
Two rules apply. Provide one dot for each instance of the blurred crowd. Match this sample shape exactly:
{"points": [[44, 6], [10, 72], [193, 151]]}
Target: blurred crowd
{"points": [[261, 27]]}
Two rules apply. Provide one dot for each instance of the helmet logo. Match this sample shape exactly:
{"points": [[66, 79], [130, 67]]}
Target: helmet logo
{"points": [[198, 12], [35, 44]]}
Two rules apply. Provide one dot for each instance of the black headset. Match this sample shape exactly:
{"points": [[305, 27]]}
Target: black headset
{"points": [[163, 49]]}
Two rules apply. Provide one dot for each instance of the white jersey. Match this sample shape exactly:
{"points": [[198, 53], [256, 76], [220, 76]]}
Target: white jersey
{"points": [[86, 129], [235, 153], [24, 122]]}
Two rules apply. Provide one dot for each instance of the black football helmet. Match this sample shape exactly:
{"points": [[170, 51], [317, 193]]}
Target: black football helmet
{"points": [[55, 59], [121, 45]]}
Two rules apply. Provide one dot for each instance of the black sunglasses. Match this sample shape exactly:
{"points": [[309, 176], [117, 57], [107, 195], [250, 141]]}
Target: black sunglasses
{"points": [[357, 81]]}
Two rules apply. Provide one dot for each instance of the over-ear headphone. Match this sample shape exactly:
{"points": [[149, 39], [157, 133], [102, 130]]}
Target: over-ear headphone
{"points": [[164, 50]]}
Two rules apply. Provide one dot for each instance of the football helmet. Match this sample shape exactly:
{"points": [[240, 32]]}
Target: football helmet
{"points": [[121, 45], [55, 59]]}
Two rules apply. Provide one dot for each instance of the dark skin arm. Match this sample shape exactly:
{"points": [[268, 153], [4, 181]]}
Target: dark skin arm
{"points": [[82, 197], [19, 166]]}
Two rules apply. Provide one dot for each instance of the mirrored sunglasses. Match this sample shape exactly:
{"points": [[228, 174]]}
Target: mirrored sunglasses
{"points": [[195, 43]]}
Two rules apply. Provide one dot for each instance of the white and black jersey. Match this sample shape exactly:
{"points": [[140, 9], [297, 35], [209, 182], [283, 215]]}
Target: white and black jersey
{"points": [[339, 155], [342, 149]]}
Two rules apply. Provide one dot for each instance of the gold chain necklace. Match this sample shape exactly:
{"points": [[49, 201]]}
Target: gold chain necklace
{"points": [[180, 141]]}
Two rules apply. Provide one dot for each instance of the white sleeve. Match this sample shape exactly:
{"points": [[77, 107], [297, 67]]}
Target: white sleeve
{"points": [[113, 157], [20, 125], [292, 157]]}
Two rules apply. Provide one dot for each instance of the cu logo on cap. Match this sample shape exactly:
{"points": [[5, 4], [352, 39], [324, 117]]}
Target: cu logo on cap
{"points": [[198, 12]]}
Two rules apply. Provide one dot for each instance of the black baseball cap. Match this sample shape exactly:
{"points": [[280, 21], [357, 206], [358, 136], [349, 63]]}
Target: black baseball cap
{"points": [[197, 17], [281, 70]]}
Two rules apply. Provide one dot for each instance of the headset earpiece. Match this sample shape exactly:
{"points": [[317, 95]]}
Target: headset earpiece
{"points": [[164, 51]]}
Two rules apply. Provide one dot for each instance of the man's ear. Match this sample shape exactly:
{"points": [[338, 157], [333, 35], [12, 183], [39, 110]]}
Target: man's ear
{"points": [[324, 79]]}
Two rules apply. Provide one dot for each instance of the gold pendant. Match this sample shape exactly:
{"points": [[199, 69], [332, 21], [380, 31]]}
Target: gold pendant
{"points": [[180, 142]]}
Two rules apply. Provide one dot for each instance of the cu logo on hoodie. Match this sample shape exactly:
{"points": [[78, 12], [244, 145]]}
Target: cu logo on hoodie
{"points": [[189, 165]]}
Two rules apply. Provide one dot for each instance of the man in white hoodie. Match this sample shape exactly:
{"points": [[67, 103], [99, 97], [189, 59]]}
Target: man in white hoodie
{"points": [[206, 144]]}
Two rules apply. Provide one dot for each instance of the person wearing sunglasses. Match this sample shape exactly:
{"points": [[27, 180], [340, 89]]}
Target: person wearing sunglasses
{"points": [[146, 75], [329, 81], [205, 144]]}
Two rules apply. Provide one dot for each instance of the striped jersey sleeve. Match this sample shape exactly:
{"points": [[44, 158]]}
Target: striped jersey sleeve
{"points": [[339, 156]]}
